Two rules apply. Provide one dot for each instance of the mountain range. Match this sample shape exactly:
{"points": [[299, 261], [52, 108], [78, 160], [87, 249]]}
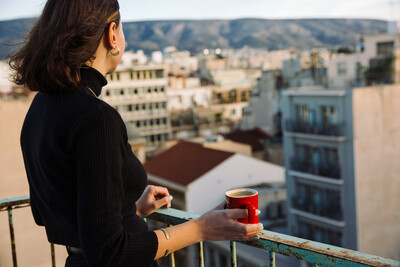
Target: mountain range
{"points": [[196, 35]]}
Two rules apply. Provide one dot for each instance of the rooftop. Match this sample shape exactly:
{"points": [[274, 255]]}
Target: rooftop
{"points": [[185, 162]]}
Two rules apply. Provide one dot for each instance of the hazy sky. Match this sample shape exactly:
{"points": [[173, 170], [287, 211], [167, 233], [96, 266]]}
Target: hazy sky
{"points": [[133, 10]]}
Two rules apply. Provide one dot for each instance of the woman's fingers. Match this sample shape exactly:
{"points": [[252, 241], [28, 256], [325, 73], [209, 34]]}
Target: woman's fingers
{"points": [[158, 191], [237, 213]]}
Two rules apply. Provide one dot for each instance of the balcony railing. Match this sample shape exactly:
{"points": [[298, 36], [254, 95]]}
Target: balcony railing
{"points": [[326, 129], [310, 251], [306, 205], [317, 169]]}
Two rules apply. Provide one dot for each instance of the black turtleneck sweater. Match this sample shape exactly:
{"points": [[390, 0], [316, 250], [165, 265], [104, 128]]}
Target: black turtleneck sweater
{"points": [[84, 179]]}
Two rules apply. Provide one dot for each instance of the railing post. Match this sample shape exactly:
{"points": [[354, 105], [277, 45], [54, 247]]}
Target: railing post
{"points": [[201, 254], [12, 237], [233, 254], [53, 255], [171, 257], [271, 259]]}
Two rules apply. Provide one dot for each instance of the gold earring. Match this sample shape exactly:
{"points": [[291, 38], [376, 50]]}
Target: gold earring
{"points": [[116, 53]]}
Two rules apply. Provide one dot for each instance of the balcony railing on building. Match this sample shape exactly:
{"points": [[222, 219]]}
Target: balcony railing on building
{"points": [[328, 211], [326, 129], [325, 170], [310, 251]]}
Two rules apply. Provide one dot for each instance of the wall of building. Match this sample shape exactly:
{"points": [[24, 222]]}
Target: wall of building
{"points": [[235, 172], [377, 168], [33, 249]]}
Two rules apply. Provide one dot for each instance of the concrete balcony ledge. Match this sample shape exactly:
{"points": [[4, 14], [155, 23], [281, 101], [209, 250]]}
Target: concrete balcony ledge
{"points": [[316, 137], [315, 217], [316, 178]]}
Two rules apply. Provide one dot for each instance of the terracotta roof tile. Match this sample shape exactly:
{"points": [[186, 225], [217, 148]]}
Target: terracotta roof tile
{"points": [[185, 162]]}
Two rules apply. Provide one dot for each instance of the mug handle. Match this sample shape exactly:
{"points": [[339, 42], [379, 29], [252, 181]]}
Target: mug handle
{"points": [[251, 212]]}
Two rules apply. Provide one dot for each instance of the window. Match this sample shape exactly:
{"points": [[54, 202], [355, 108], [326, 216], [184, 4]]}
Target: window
{"points": [[138, 75], [131, 74], [162, 89], [385, 48], [341, 68], [135, 91], [129, 107], [121, 92], [118, 76], [149, 90], [303, 113], [136, 107], [331, 157], [107, 92], [144, 107], [329, 115], [159, 73]]}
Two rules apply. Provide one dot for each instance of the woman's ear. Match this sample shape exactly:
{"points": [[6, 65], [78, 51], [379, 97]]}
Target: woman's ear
{"points": [[111, 35]]}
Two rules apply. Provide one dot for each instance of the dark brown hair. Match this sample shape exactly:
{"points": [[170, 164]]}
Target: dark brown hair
{"points": [[63, 39]]}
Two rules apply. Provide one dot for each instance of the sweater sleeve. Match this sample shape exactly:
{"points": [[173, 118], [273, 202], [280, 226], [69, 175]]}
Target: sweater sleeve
{"points": [[99, 152]]}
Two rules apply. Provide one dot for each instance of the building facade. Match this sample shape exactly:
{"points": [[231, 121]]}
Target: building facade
{"points": [[138, 93], [342, 172]]}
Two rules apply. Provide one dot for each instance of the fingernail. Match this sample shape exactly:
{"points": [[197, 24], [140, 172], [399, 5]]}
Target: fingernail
{"points": [[261, 226], [258, 212], [256, 238], [171, 197]]}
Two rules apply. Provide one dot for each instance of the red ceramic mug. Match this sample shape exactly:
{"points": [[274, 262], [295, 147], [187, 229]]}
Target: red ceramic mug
{"points": [[244, 198]]}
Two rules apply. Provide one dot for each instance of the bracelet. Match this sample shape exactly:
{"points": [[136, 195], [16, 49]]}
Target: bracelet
{"points": [[165, 233], [167, 252]]}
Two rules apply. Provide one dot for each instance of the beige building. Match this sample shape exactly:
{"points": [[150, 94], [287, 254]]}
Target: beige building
{"points": [[32, 246], [138, 93], [376, 142]]}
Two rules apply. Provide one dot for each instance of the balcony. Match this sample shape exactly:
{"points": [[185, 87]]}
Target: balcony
{"points": [[325, 129], [304, 204], [313, 252], [317, 169]]}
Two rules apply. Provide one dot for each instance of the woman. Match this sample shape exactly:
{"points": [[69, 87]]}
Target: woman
{"points": [[87, 188]]}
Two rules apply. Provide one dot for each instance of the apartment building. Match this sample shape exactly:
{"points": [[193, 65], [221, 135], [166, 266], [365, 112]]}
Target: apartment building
{"points": [[138, 93], [341, 152], [370, 63]]}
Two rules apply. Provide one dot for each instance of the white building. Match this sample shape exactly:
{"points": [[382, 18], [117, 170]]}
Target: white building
{"points": [[264, 105], [6, 86], [193, 171], [348, 69], [198, 178], [186, 93], [180, 62]]}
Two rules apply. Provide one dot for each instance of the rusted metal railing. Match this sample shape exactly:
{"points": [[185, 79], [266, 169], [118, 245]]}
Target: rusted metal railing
{"points": [[9, 205], [310, 251]]}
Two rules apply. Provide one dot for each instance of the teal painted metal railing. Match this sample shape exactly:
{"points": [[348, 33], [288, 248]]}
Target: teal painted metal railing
{"points": [[310, 251]]}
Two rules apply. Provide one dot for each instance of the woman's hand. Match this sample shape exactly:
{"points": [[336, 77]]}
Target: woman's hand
{"points": [[221, 224], [153, 197]]}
